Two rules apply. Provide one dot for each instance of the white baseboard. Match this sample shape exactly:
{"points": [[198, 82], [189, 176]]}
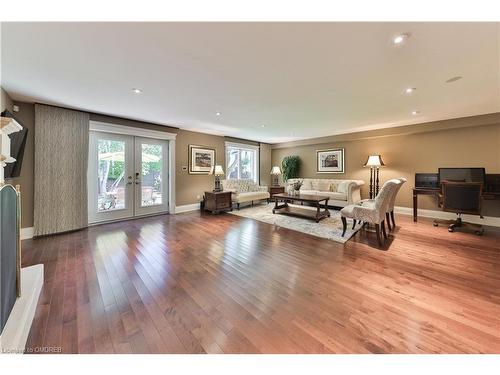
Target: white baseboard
{"points": [[488, 220], [27, 233], [187, 208], [17, 328]]}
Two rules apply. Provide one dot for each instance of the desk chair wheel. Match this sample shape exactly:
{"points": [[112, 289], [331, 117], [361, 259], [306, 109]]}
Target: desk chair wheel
{"points": [[435, 224], [451, 230]]}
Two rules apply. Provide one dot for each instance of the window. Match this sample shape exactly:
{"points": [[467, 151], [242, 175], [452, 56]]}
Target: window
{"points": [[242, 161]]}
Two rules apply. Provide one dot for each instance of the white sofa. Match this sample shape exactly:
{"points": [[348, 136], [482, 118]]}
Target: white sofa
{"points": [[245, 191], [341, 192]]}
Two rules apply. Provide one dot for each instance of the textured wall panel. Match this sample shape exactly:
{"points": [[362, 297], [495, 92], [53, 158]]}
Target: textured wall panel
{"points": [[61, 157]]}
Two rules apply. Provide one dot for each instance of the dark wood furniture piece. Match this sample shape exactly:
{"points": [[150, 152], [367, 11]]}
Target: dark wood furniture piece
{"points": [[461, 198], [491, 190], [314, 200], [422, 191], [217, 201], [275, 190], [492, 186]]}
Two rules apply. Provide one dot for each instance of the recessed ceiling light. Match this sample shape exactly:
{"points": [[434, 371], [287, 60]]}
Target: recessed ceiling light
{"points": [[263, 126], [414, 113], [137, 91], [453, 79], [218, 113], [409, 90], [400, 39]]}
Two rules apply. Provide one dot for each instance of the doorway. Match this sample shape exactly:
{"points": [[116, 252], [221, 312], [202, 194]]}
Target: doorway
{"points": [[128, 176]]}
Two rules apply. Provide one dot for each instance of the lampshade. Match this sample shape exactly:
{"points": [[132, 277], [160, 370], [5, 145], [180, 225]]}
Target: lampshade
{"points": [[217, 171], [276, 170], [374, 161]]}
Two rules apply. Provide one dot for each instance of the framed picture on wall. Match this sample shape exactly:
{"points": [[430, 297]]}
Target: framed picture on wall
{"points": [[201, 159], [330, 161]]}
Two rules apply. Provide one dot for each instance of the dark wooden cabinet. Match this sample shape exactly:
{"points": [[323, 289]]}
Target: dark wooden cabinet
{"points": [[217, 202], [275, 190]]}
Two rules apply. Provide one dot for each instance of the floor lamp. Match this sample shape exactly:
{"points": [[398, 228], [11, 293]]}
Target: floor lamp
{"points": [[374, 162]]}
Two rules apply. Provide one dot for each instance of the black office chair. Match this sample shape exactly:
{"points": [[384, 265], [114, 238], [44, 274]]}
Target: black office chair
{"points": [[461, 198]]}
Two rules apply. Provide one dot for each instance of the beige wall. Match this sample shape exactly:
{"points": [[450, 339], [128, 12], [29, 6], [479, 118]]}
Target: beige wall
{"points": [[5, 101], [190, 187], [406, 154], [265, 164]]}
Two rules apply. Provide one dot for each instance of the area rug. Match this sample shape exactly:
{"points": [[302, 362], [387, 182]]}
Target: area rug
{"points": [[330, 227]]}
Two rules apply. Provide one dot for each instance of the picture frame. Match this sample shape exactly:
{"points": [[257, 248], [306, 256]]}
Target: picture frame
{"points": [[201, 159], [330, 160]]}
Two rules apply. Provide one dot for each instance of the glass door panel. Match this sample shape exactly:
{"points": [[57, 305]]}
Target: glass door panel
{"points": [[110, 169], [151, 175], [110, 175]]}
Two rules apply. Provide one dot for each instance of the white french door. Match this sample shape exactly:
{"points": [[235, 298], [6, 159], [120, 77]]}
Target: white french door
{"points": [[127, 176], [151, 176]]}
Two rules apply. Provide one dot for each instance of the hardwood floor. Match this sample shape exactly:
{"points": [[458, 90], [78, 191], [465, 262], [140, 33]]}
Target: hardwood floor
{"points": [[194, 283]]}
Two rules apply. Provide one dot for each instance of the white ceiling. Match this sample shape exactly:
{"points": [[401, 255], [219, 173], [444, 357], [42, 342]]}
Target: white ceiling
{"points": [[300, 80]]}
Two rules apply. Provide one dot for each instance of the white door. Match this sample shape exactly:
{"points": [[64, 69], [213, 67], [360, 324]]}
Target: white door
{"points": [[127, 176], [151, 176]]}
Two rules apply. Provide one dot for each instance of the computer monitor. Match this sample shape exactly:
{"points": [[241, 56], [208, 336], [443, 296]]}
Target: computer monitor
{"points": [[462, 174], [426, 181]]}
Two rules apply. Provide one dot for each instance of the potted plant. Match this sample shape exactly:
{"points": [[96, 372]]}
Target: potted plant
{"points": [[290, 167]]}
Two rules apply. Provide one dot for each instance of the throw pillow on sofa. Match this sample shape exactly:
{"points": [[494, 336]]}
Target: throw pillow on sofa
{"points": [[342, 187], [324, 185], [334, 186]]}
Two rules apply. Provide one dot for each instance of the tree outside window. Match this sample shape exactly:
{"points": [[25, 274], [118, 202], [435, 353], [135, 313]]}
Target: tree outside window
{"points": [[241, 163]]}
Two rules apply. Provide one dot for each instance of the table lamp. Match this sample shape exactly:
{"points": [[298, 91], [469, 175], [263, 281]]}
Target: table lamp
{"points": [[374, 162], [217, 171], [276, 171]]}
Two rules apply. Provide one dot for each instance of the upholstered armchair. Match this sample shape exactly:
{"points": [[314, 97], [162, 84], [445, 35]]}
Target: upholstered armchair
{"points": [[373, 212], [389, 215], [392, 202]]}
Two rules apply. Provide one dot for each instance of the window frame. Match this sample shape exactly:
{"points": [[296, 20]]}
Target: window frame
{"points": [[243, 147]]}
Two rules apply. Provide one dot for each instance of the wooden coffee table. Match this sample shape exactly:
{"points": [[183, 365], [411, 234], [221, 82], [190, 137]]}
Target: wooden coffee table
{"points": [[315, 200]]}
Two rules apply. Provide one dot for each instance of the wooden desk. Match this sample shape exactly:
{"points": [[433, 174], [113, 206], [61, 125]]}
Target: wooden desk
{"points": [[436, 191], [422, 191]]}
